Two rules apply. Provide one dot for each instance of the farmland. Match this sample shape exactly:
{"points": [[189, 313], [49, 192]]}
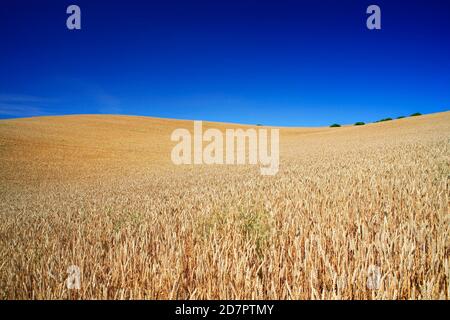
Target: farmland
{"points": [[101, 193]]}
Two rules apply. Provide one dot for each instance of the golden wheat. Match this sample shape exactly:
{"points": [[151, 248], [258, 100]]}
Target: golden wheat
{"points": [[100, 192]]}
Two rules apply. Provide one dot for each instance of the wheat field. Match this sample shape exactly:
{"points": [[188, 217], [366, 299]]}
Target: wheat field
{"points": [[101, 193]]}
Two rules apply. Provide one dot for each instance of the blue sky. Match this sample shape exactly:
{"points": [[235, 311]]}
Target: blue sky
{"points": [[291, 63]]}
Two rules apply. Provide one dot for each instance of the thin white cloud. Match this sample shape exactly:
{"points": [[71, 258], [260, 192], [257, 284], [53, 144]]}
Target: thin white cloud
{"points": [[20, 110], [19, 105], [21, 98]]}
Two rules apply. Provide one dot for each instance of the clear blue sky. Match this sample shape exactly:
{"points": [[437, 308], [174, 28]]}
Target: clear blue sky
{"points": [[294, 63]]}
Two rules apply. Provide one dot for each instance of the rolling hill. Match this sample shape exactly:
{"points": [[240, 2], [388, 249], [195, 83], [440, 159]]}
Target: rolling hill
{"points": [[101, 193]]}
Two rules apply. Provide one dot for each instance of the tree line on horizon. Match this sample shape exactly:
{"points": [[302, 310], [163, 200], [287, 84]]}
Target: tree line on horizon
{"points": [[360, 123]]}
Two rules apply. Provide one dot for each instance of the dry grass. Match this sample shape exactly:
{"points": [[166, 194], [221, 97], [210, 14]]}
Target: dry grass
{"points": [[100, 192]]}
